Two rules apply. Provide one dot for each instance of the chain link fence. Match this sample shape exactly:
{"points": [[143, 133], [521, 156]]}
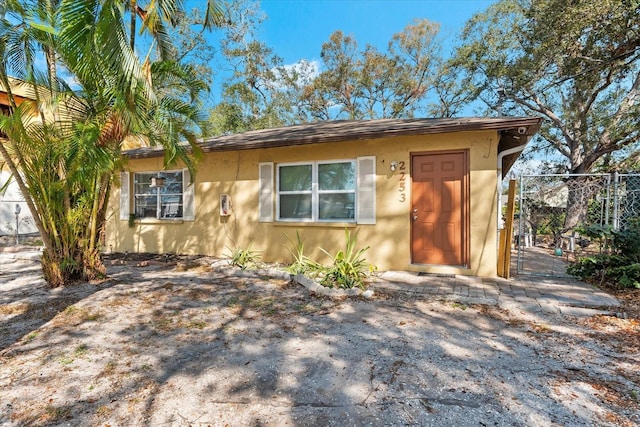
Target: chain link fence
{"points": [[553, 212]]}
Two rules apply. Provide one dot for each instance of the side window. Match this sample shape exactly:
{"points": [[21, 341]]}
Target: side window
{"points": [[295, 192], [336, 191], [158, 195]]}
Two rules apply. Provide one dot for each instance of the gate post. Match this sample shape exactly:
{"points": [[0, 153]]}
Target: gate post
{"points": [[615, 201], [520, 226]]}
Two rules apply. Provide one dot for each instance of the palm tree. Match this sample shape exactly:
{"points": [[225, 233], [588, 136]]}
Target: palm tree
{"points": [[67, 164], [156, 15]]}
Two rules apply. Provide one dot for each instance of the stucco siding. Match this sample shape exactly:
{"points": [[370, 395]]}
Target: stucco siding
{"points": [[236, 173]]}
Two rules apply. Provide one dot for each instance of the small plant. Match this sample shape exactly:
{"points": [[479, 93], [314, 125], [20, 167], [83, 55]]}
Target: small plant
{"points": [[196, 324], [301, 263], [349, 267], [243, 258], [70, 309], [459, 305], [73, 315], [81, 350], [65, 361]]}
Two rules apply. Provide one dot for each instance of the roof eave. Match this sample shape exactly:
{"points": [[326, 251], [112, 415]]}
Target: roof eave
{"points": [[339, 131], [515, 137]]}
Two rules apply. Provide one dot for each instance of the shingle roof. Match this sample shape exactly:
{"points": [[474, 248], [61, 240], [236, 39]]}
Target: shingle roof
{"points": [[349, 130]]}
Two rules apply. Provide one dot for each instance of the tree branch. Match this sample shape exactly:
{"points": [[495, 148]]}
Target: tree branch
{"points": [[541, 108]]}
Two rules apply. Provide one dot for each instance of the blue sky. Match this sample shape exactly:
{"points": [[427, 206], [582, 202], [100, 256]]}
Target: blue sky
{"points": [[296, 29]]}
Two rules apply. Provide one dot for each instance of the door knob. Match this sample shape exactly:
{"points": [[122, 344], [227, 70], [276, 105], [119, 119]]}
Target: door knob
{"points": [[415, 217], [415, 210]]}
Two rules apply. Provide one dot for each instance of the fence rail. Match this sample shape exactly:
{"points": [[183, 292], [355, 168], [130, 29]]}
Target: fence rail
{"points": [[553, 212]]}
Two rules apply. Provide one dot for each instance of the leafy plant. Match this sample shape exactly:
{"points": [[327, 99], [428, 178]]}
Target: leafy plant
{"points": [[600, 233], [62, 149], [627, 240], [620, 267], [301, 263], [349, 268], [243, 258]]}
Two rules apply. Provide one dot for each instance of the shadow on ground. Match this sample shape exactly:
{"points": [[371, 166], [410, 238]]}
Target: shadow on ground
{"points": [[156, 346]]}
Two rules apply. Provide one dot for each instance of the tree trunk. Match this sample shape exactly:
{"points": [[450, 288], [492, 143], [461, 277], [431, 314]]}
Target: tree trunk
{"points": [[581, 190], [93, 221], [133, 6], [27, 198]]}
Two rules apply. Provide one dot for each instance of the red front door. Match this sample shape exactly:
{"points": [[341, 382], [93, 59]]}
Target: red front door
{"points": [[439, 208]]}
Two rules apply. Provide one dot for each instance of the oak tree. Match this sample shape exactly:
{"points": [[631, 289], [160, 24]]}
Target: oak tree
{"points": [[576, 64]]}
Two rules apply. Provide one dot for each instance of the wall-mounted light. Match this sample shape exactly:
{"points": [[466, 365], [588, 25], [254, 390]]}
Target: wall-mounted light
{"points": [[157, 181], [225, 205], [393, 166]]}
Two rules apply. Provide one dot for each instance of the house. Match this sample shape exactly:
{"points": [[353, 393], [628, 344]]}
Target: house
{"points": [[14, 212], [422, 193]]}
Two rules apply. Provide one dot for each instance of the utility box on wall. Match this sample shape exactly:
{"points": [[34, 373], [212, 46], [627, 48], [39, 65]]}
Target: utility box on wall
{"points": [[225, 205]]}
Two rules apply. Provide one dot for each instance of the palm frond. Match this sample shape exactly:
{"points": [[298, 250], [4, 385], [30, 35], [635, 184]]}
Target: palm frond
{"points": [[214, 15]]}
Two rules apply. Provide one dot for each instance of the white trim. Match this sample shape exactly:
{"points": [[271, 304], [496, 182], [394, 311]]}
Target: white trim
{"points": [[315, 191], [277, 192], [188, 196], [265, 192], [366, 190], [125, 196]]}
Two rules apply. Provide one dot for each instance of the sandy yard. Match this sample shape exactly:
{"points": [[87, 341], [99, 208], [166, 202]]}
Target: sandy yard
{"points": [[159, 345]]}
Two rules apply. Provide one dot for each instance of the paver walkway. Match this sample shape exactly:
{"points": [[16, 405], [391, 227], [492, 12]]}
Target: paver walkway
{"points": [[563, 295]]}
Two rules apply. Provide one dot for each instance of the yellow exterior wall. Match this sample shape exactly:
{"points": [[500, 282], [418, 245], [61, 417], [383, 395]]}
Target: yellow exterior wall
{"points": [[236, 174]]}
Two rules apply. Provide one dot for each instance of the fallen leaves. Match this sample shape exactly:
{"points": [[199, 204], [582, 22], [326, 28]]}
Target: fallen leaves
{"points": [[610, 391], [13, 309]]}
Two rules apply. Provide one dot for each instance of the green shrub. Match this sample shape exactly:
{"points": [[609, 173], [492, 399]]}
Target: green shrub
{"points": [[243, 258], [301, 264], [585, 268], [591, 267], [628, 275], [627, 241], [349, 267], [620, 267], [603, 234]]}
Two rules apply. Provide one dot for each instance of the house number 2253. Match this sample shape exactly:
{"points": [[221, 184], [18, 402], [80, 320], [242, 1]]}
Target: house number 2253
{"points": [[402, 187]]}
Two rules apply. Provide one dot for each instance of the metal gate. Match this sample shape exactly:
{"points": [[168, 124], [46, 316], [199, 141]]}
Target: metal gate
{"points": [[15, 217], [553, 212]]}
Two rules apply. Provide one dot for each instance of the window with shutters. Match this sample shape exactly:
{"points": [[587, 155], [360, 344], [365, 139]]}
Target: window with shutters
{"points": [[158, 201], [317, 191], [322, 191]]}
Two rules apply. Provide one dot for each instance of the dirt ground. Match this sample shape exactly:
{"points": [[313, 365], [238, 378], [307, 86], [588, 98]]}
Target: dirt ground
{"points": [[171, 342]]}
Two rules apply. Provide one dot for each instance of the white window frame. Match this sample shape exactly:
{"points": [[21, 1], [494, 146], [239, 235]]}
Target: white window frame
{"points": [[315, 192], [159, 195]]}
